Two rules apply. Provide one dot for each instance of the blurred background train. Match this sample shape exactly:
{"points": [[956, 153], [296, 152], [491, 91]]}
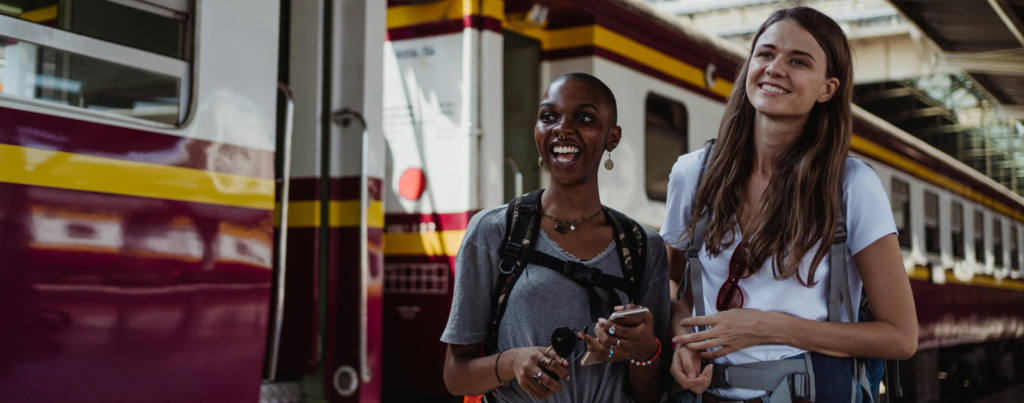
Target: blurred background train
{"points": [[243, 200]]}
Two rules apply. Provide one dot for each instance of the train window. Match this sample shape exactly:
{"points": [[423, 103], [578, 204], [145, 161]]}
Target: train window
{"points": [[956, 228], [979, 237], [52, 75], [1014, 248], [134, 23], [665, 140], [901, 210], [997, 241], [931, 222], [116, 59]]}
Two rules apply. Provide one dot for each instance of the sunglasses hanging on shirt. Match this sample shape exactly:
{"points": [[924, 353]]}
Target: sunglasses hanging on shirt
{"points": [[730, 296]]}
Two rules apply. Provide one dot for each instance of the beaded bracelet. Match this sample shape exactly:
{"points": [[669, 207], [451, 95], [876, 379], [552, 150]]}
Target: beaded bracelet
{"points": [[648, 362]]}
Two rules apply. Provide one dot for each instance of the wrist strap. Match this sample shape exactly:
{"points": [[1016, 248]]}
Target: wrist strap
{"points": [[648, 361], [505, 384]]}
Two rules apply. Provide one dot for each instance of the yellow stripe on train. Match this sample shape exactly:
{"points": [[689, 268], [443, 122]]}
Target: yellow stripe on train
{"points": [[43, 14], [342, 213], [434, 243], [921, 273], [596, 35], [57, 169]]}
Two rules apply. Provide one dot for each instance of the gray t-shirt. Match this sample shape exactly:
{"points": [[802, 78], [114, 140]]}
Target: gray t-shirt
{"points": [[543, 300]]}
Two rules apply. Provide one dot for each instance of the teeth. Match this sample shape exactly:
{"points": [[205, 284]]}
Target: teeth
{"points": [[772, 88], [566, 150]]}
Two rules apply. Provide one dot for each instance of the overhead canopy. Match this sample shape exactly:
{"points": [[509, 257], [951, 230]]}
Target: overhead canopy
{"points": [[981, 37]]}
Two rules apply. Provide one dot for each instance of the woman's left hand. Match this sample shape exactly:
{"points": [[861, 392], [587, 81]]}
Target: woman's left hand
{"points": [[731, 330], [637, 341]]}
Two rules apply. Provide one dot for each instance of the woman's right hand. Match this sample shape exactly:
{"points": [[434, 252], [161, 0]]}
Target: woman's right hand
{"points": [[526, 364], [685, 363]]}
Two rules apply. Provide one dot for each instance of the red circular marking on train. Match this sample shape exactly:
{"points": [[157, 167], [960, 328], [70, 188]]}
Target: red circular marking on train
{"points": [[412, 184]]}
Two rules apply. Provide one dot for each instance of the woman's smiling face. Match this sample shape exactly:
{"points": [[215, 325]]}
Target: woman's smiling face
{"points": [[573, 130], [788, 72]]}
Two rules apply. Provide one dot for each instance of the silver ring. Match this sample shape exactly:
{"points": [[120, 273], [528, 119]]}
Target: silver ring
{"points": [[611, 351], [611, 330], [618, 342], [536, 378]]}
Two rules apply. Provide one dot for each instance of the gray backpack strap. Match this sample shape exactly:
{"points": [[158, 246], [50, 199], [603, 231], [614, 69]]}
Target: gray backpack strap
{"points": [[839, 276], [696, 243], [785, 379]]}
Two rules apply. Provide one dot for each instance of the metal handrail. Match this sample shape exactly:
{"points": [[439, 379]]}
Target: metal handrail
{"points": [[343, 118], [519, 174], [282, 232]]}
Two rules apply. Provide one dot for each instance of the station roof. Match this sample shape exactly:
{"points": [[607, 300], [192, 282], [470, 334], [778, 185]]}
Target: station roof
{"points": [[981, 37]]}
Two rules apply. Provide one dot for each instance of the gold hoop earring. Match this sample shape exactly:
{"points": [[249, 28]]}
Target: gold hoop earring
{"points": [[609, 164]]}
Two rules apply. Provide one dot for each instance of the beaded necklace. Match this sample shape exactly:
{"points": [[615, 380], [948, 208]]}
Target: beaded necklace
{"points": [[560, 225]]}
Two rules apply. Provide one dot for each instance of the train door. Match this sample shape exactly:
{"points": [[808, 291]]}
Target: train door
{"points": [[522, 95], [329, 346]]}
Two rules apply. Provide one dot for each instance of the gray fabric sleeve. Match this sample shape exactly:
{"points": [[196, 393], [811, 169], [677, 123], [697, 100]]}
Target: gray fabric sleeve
{"points": [[476, 268]]}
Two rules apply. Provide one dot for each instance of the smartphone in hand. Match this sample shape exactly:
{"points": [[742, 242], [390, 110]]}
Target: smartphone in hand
{"points": [[629, 317]]}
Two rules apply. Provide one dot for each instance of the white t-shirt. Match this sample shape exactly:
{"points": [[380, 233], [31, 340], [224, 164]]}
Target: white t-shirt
{"points": [[869, 218]]}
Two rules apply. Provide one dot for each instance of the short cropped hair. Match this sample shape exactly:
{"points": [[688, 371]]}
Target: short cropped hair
{"points": [[595, 82]]}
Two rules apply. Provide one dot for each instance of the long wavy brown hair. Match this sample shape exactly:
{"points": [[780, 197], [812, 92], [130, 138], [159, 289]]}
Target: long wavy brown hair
{"points": [[799, 205]]}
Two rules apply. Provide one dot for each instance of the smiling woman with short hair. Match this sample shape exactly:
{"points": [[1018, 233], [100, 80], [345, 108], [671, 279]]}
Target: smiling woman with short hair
{"points": [[576, 125]]}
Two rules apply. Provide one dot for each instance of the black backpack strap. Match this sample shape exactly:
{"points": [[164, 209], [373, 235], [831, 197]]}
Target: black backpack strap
{"points": [[892, 378], [587, 277], [696, 243], [520, 221], [630, 243]]}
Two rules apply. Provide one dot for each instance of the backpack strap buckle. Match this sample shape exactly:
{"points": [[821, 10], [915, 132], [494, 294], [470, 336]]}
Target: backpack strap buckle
{"points": [[800, 386], [579, 271], [506, 268], [840, 233], [512, 250], [718, 377]]}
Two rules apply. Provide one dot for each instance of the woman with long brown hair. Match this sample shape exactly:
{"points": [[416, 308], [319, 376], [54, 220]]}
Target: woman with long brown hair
{"points": [[773, 194]]}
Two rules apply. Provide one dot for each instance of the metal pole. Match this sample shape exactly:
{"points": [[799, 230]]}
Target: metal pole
{"points": [[282, 232]]}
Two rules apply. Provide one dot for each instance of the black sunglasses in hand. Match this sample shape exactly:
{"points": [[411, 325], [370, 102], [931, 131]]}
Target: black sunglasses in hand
{"points": [[564, 341]]}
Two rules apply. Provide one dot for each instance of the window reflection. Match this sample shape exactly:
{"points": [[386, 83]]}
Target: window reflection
{"points": [[109, 21], [151, 238], [32, 71], [40, 11]]}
